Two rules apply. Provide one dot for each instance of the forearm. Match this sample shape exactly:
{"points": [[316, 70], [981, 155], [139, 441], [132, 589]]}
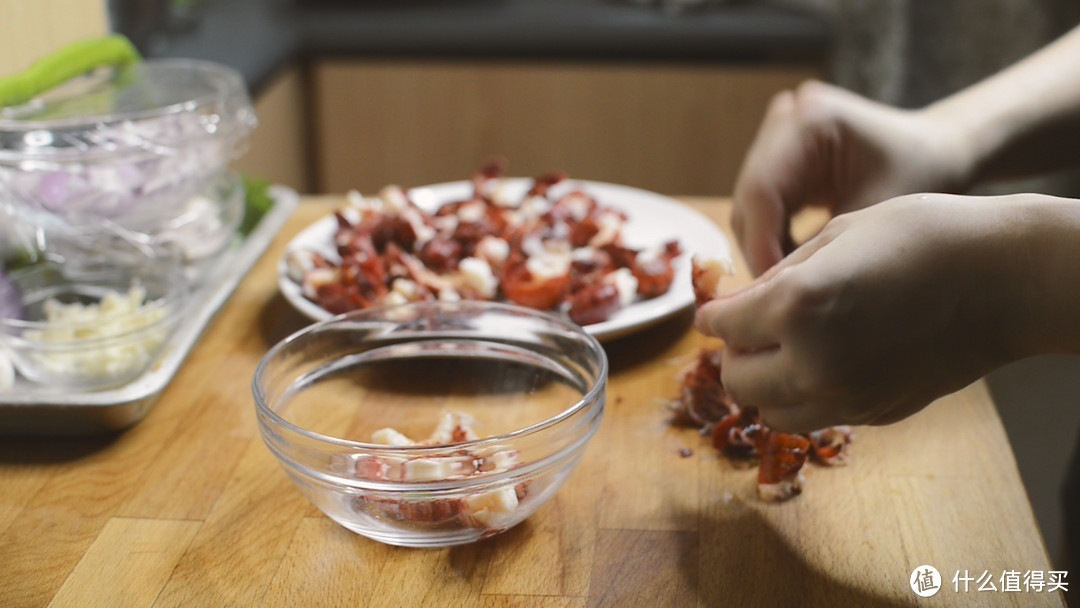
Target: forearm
{"points": [[1046, 265], [1021, 121]]}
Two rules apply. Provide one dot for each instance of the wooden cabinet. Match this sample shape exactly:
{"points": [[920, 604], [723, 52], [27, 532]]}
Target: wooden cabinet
{"points": [[680, 129], [34, 29], [280, 149]]}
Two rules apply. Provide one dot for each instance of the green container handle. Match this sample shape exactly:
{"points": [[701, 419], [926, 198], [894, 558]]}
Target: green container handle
{"points": [[63, 65]]}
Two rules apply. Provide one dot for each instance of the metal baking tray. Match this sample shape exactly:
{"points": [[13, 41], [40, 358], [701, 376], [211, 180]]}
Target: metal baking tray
{"points": [[32, 410]]}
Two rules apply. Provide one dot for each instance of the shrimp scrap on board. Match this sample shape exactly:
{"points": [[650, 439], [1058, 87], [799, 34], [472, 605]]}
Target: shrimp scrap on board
{"points": [[737, 431]]}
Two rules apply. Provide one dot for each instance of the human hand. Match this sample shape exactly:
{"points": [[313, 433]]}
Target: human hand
{"points": [[823, 146], [890, 307]]}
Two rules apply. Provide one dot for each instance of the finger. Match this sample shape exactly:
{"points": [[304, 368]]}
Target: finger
{"points": [[891, 416], [741, 318], [761, 229], [744, 318], [797, 418], [759, 378], [787, 241], [890, 413], [759, 219], [802, 253], [762, 379]]}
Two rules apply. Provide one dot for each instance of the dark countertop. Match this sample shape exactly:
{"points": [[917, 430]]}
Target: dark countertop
{"points": [[258, 36]]}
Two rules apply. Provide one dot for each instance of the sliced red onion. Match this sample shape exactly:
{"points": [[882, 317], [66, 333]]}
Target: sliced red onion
{"points": [[136, 173]]}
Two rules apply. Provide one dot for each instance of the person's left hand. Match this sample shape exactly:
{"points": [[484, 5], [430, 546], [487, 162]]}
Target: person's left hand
{"points": [[888, 308]]}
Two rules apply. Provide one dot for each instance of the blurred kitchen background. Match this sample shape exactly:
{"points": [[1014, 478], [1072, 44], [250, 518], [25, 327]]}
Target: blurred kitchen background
{"points": [[663, 94]]}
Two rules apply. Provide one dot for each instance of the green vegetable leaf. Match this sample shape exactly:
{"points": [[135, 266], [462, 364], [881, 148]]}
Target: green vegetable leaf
{"points": [[257, 201]]}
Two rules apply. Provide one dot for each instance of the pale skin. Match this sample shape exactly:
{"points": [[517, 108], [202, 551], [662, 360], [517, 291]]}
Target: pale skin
{"points": [[902, 297]]}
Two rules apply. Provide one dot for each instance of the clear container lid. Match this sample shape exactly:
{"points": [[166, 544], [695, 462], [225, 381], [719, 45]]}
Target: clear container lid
{"points": [[150, 108]]}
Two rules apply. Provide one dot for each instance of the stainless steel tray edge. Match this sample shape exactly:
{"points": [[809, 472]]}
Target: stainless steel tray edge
{"points": [[43, 414]]}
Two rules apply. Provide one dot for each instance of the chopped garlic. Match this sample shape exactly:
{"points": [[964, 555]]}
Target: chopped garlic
{"points": [[114, 315]]}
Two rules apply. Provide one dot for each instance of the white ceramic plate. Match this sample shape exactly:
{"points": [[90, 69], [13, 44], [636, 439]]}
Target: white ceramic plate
{"points": [[653, 219]]}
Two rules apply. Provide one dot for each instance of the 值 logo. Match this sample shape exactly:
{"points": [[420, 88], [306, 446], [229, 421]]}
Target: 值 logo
{"points": [[925, 581]]}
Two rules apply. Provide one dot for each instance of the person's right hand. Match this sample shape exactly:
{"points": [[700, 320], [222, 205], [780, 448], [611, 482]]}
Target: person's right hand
{"points": [[823, 146], [892, 306]]}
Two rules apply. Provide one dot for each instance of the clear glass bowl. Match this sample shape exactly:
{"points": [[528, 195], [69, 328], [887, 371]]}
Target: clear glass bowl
{"points": [[62, 345], [533, 383], [204, 228], [128, 146]]}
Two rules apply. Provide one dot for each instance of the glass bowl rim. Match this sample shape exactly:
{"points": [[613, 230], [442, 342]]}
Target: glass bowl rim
{"points": [[229, 88], [173, 302], [590, 398]]}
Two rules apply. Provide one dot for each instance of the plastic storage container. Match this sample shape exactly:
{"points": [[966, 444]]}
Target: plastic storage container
{"points": [[126, 147]]}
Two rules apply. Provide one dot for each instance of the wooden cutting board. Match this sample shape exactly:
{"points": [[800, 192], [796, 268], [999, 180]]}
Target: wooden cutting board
{"points": [[189, 508]]}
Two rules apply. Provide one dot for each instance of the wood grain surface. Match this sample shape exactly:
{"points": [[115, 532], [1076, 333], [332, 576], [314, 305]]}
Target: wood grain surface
{"points": [[189, 508]]}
